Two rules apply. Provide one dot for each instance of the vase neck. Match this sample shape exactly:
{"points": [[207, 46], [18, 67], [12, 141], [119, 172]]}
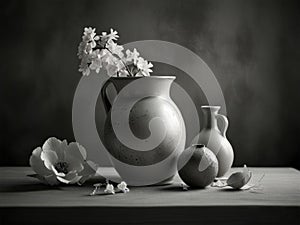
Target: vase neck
{"points": [[210, 120], [143, 86]]}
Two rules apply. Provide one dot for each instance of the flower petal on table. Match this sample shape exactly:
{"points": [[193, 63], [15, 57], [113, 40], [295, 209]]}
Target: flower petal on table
{"points": [[56, 145], [50, 158], [70, 178], [37, 163], [77, 151]]}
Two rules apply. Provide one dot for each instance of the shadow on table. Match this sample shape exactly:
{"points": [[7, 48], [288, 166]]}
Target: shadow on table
{"points": [[178, 188], [26, 187], [230, 190]]}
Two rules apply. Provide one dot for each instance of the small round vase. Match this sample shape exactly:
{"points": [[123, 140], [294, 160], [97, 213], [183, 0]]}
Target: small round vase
{"points": [[197, 166], [215, 139]]}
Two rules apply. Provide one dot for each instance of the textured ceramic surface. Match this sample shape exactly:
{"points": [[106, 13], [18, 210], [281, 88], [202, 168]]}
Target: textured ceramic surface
{"points": [[215, 139], [197, 166], [144, 132]]}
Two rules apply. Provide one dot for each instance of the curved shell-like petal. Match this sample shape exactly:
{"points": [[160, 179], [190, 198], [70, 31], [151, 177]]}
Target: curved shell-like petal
{"points": [[37, 163], [50, 158], [56, 145], [74, 164], [239, 179], [61, 174], [77, 151], [70, 178]]}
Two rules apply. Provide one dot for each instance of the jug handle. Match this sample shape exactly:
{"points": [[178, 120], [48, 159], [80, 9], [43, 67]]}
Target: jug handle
{"points": [[225, 124], [106, 102]]}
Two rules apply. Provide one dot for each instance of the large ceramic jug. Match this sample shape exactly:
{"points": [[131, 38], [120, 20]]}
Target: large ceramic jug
{"points": [[144, 132], [215, 139]]}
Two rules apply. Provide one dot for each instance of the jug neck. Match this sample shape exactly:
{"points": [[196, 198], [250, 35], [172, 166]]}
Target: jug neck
{"points": [[210, 120], [143, 86]]}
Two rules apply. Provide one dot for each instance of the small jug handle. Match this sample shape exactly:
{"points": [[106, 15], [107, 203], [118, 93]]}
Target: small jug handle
{"points": [[225, 124], [106, 102]]}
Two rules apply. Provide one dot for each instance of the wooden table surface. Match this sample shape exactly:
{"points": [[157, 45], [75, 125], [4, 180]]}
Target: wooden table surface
{"points": [[24, 200]]}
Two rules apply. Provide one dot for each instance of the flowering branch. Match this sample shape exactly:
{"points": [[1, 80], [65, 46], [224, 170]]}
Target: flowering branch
{"points": [[126, 67], [96, 52]]}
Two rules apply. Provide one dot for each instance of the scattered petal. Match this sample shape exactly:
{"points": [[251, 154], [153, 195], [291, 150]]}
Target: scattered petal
{"points": [[94, 192], [239, 179], [109, 189], [123, 187], [96, 189]]}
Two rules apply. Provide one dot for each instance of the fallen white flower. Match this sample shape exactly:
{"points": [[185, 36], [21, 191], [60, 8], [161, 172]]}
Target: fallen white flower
{"points": [[56, 161], [123, 187], [109, 189]]}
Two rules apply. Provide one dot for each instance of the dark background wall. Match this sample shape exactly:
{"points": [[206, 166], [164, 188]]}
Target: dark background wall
{"points": [[251, 46]]}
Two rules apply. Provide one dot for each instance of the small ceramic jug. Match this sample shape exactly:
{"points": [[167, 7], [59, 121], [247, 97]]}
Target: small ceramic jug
{"points": [[215, 139]]}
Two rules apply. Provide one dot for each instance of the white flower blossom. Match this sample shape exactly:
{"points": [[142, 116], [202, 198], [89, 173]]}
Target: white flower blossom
{"points": [[109, 189], [123, 187], [115, 49], [84, 64], [144, 67], [114, 66], [97, 52], [109, 37], [84, 67], [96, 61], [111, 69], [88, 33], [132, 56], [56, 161], [88, 42], [81, 49]]}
